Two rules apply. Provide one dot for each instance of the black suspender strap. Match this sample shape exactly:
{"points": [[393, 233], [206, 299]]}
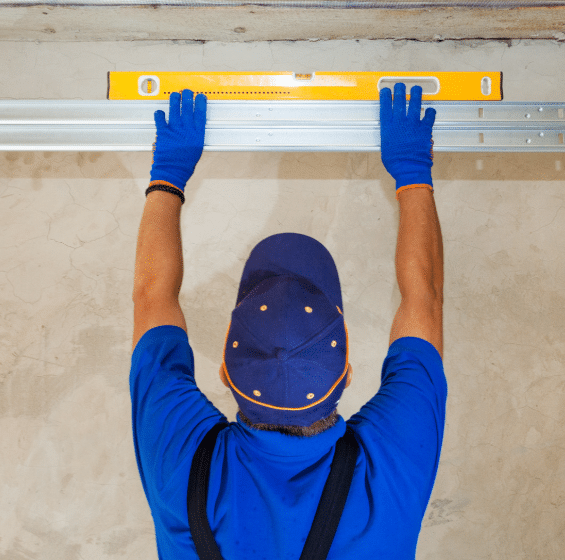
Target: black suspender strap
{"points": [[329, 510], [333, 498], [206, 546]]}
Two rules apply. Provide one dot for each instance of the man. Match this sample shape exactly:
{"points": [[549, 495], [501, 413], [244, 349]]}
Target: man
{"points": [[286, 362]]}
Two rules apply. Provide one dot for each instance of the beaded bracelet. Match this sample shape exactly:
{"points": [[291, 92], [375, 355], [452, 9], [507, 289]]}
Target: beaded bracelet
{"points": [[167, 187]]}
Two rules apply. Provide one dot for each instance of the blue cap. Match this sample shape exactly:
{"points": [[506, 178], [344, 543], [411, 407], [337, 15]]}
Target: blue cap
{"points": [[286, 352]]}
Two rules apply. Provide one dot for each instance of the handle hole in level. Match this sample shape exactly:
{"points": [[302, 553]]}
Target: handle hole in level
{"points": [[561, 138], [486, 83], [481, 138], [430, 86]]}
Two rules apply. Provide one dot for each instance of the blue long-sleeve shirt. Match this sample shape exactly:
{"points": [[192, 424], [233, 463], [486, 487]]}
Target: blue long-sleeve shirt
{"points": [[264, 486]]}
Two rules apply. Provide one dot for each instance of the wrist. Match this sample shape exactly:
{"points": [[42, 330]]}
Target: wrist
{"points": [[163, 186], [170, 176], [416, 178], [162, 182]]}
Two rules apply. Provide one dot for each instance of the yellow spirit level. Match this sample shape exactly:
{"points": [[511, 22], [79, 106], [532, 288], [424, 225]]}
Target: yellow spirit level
{"points": [[320, 86]]}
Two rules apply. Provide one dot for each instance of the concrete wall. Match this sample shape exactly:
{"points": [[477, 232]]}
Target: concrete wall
{"points": [[69, 221], [47, 23]]}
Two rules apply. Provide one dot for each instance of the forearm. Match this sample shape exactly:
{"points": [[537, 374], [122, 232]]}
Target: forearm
{"points": [[158, 260], [419, 250]]}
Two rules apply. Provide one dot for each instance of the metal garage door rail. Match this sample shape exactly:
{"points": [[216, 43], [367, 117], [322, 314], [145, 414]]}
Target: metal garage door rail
{"points": [[285, 126]]}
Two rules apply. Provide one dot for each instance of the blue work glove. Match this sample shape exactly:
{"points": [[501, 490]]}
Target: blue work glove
{"points": [[178, 145], [406, 141]]}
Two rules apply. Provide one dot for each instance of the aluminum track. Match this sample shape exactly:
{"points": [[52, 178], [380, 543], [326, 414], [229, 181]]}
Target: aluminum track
{"points": [[284, 126]]}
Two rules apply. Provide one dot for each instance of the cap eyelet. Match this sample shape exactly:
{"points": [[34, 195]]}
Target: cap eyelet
{"points": [[334, 343], [257, 393], [263, 308], [308, 309], [310, 396], [235, 344]]}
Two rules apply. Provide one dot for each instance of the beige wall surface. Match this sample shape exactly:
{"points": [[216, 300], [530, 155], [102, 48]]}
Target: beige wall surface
{"points": [[69, 221], [417, 19]]}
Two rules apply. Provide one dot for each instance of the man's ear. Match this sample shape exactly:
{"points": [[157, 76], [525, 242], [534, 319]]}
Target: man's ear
{"points": [[223, 376], [349, 375]]}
